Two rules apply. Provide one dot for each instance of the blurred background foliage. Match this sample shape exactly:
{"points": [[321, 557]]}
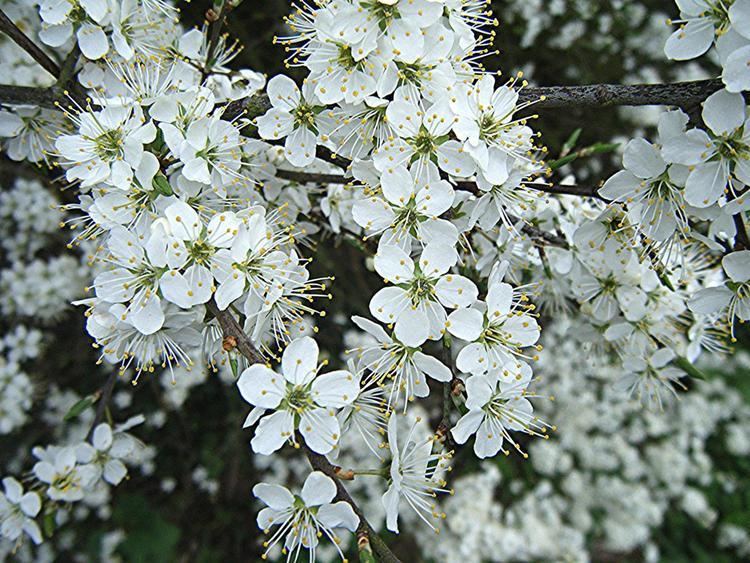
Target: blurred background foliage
{"points": [[555, 42]]}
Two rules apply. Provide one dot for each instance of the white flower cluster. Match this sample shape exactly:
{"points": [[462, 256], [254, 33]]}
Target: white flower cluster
{"points": [[28, 212], [608, 480], [704, 24], [197, 238]]}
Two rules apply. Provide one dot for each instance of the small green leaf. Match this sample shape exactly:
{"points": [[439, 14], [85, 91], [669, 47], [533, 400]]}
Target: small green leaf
{"points": [[599, 148], [685, 365], [48, 523], [161, 184], [79, 407], [571, 142], [559, 163]]}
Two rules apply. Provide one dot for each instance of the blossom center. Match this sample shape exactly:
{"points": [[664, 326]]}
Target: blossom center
{"points": [[109, 145]]}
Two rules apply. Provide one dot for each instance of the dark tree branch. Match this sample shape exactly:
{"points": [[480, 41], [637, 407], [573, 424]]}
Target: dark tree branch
{"points": [[22, 40], [28, 95], [681, 94], [312, 177], [216, 24]]}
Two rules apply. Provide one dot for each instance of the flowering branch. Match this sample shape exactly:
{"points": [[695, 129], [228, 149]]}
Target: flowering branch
{"points": [[321, 463], [321, 178], [231, 328], [680, 94]]}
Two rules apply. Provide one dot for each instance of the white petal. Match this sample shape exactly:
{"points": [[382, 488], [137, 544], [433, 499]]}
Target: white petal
{"points": [[335, 389], [397, 185], [472, 359], [412, 327], [338, 515], [488, 442], [643, 159], [274, 496], [184, 222], [737, 266], [467, 425], [437, 259], [393, 264], [739, 15], [724, 112], [321, 430], [261, 386], [272, 431], [736, 74], [300, 147], [390, 503], [690, 41], [93, 41], [466, 324], [319, 489], [456, 291], [299, 362], [102, 437], [432, 367], [147, 316], [710, 300], [114, 471], [706, 184], [388, 304]]}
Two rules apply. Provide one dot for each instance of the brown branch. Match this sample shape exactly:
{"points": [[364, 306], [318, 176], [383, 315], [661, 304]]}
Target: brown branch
{"points": [[681, 94], [22, 40], [216, 23], [230, 327], [28, 95]]}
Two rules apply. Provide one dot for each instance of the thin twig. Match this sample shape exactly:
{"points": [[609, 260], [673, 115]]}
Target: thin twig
{"points": [[230, 327], [213, 40], [105, 394], [22, 40]]}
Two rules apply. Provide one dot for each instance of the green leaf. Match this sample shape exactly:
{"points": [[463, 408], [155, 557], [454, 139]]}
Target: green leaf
{"points": [[684, 364], [599, 148], [571, 142], [560, 162], [79, 407], [48, 523], [161, 184]]}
